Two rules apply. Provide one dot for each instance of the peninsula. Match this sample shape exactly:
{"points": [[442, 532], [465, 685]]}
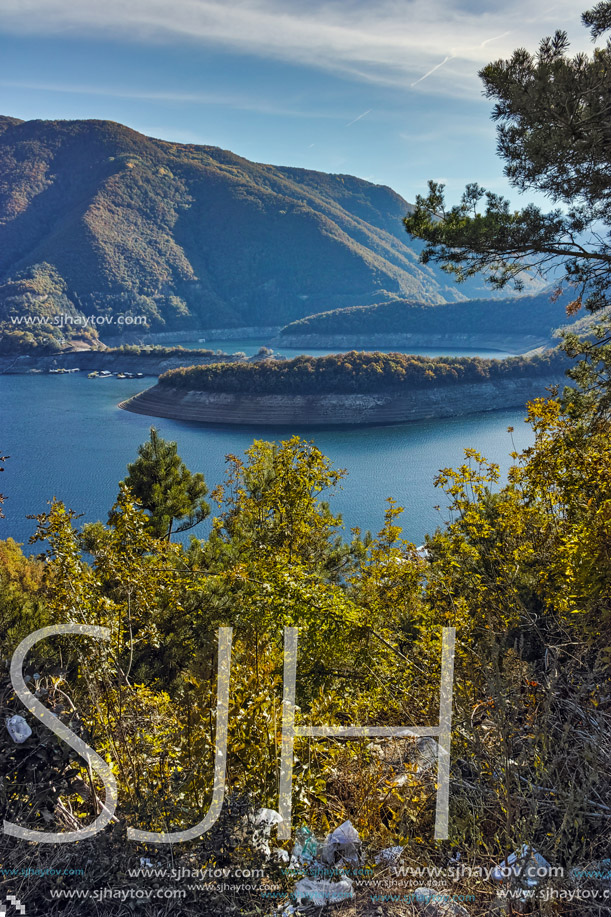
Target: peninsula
{"points": [[348, 388], [515, 325]]}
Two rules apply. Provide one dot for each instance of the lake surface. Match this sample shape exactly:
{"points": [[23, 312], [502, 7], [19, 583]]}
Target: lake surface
{"points": [[66, 438], [250, 348]]}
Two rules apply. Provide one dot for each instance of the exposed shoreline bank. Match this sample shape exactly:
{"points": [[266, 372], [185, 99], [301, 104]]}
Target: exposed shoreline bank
{"points": [[431, 403], [150, 364], [518, 345], [153, 364], [207, 335]]}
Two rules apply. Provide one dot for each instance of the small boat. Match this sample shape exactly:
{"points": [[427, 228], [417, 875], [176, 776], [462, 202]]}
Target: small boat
{"points": [[121, 376], [93, 375]]}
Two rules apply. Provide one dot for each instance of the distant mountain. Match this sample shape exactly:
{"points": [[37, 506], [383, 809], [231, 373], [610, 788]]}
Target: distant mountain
{"points": [[536, 316], [98, 219]]}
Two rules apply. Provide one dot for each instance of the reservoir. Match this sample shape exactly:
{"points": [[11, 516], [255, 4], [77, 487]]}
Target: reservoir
{"points": [[67, 438]]}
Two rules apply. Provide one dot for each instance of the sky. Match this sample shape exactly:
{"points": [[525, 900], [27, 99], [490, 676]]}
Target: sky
{"points": [[383, 89]]}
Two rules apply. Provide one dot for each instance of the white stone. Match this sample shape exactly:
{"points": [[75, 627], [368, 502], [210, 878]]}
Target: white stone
{"points": [[18, 729], [426, 754]]}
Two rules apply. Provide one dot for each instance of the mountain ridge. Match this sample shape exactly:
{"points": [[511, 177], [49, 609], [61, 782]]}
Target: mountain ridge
{"points": [[537, 316], [96, 218]]}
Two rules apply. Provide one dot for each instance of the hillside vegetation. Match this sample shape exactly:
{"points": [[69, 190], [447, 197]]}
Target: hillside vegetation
{"points": [[354, 372], [97, 219], [520, 569], [535, 315]]}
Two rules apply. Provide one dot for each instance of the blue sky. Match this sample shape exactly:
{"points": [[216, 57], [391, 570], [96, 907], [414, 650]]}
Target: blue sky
{"points": [[385, 90]]}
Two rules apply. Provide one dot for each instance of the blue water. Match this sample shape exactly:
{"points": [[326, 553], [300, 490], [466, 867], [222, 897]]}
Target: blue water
{"points": [[250, 348], [66, 438]]}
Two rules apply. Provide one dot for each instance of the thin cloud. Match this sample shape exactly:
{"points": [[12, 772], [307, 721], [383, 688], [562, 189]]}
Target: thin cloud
{"points": [[453, 56], [389, 42], [433, 70], [227, 100], [496, 38], [360, 117]]}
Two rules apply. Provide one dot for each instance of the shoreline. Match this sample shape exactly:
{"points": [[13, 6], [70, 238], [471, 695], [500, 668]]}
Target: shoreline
{"points": [[519, 345], [155, 364], [208, 335], [149, 364], [436, 402]]}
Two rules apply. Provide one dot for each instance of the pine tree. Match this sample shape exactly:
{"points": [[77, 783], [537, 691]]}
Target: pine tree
{"points": [[161, 484], [554, 131]]}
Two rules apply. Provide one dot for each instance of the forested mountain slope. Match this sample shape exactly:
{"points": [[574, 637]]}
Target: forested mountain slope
{"points": [[96, 218]]}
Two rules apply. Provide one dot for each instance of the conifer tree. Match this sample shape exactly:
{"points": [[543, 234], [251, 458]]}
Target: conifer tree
{"points": [[161, 484], [554, 128]]}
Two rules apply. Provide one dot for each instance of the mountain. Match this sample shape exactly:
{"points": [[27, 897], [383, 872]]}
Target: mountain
{"points": [[535, 315], [97, 219]]}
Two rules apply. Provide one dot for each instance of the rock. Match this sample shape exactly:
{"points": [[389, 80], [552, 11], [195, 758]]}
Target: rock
{"points": [[18, 729], [343, 845], [431, 902], [426, 755], [320, 892]]}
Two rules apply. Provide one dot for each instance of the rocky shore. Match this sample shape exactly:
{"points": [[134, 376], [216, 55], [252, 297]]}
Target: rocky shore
{"points": [[150, 364], [207, 335], [439, 401], [518, 344]]}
